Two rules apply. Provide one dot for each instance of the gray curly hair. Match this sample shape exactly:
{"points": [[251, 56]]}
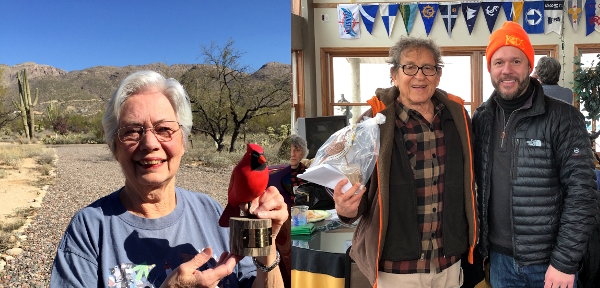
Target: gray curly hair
{"points": [[299, 142], [548, 70], [139, 82], [408, 44]]}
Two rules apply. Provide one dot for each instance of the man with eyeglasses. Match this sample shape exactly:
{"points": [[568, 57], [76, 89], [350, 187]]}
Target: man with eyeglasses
{"points": [[534, 171], [418, 210]]}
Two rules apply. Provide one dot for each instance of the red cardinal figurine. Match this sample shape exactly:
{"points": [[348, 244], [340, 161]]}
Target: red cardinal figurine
{"points": [[248, 181]]}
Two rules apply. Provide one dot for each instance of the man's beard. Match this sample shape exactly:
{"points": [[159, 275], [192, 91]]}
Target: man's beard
{"points": [[522, 85]]}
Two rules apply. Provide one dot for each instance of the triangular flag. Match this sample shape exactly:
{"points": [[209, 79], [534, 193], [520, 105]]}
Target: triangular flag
{"points": [[553, 10], [428, 11], [388, 16], [409, 13], [517, 7], [368, 13], [348, 21], [574, 12], [509, 9], [533, 17], [470, 11], [591, 16], [449, 13], [491, 10]]}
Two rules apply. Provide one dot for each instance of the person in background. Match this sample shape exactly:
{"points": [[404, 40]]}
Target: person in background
{"points": [[299, 152], [536, 186], [150, 233], [418, 208], [547, 72]]}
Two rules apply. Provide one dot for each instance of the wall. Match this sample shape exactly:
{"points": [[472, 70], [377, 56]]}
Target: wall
{"points": [[326, 35]]}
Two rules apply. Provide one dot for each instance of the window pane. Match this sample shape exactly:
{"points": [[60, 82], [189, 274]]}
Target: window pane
{"points": [[488, 88], [374, 73], [456, 76]]}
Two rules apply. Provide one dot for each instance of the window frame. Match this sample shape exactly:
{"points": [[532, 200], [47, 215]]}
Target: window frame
{"points": [[475, 52]]}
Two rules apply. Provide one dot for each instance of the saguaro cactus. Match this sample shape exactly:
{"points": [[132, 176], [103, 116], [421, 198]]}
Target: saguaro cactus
{"points": [[26, 106]]}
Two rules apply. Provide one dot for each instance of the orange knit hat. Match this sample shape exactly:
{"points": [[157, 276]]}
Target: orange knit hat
{"points": [[511, 34]]}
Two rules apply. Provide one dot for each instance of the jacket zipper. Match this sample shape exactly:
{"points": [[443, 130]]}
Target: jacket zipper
{"points": [[506, 125]]}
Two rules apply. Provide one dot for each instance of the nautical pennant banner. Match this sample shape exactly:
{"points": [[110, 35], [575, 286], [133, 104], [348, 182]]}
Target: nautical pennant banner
{"points": [[592, 16], [491, 10], [368, 13], [348, 21], [470, 11], [409, 13], [449, 13], [388, 16], [574, 12], [553, 10], [428, 11], [517, 7], [509, 9], [533, 17]]}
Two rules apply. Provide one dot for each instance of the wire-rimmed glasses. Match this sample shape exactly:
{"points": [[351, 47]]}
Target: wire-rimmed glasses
{"points": [[163, 131], [412, 70]]}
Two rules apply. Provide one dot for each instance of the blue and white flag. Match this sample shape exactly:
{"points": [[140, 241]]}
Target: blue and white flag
{"points": [[428, 11], [491, 10], [533, 17], [553, 9], [409, 13], [388, 16], [592, 16], [348, 20], [449, 13], [509, 9], [574, 8], [470, 11], [368, 13]]}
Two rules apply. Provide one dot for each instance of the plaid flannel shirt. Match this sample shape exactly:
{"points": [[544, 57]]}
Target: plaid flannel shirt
{"points": [[426, 150]]}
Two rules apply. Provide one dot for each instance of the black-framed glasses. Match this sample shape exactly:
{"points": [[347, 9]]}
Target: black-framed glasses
{"points": [[412, 70], [163, 131]]}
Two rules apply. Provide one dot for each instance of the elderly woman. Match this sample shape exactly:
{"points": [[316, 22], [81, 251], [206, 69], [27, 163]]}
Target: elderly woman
{"points": [[150, 233], [299, 152]]}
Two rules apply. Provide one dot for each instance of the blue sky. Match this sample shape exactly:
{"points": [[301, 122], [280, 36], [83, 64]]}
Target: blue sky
{"points": [[74, 35]]}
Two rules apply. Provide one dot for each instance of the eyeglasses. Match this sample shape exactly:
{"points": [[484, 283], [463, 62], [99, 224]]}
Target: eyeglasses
{"points": [[412, 70], [163, 131]]}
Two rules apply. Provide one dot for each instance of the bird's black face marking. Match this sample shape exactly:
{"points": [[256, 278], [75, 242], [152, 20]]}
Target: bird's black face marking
{"points": [[255, 161]]}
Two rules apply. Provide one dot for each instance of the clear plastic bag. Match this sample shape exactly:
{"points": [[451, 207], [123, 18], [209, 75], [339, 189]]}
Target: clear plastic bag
{"points": [[353, 150]]}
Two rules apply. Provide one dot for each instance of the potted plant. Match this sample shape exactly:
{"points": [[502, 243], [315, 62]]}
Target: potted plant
{"points": [[586, 85]]}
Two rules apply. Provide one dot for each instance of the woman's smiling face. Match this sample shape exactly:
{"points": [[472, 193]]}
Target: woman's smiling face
{"points": [[149, 163]]}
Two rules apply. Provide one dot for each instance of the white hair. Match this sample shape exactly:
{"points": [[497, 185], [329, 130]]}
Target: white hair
{"points": [[139, 82]]}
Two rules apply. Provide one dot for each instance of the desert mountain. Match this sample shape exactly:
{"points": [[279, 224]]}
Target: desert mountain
{"points": [[87, 91]]}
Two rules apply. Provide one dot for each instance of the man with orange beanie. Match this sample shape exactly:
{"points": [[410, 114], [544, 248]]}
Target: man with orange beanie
{"points": [[534, 172]]}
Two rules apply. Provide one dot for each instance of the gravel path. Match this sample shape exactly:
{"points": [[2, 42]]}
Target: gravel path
{"points": [[85, 173]]}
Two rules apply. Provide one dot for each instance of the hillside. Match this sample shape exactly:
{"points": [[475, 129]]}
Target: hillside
{"points": [[86, 91]]}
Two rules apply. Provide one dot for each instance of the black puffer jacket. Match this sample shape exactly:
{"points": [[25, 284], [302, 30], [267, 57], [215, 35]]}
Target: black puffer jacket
{"points": [[553, 182]]}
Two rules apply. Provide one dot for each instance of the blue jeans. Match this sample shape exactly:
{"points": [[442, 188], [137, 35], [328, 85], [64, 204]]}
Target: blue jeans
{"points": [[505, 273]]}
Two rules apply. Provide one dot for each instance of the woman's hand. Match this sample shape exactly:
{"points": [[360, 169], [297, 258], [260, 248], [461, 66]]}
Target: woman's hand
{"points": [[187, 275], [346, 204], [270, 205]]}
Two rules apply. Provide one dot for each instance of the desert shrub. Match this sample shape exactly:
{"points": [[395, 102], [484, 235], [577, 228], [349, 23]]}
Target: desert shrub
{"points": [[60, 125], [285, 148], [45, 169], [2, 173], [11, 157], [46, 157]]}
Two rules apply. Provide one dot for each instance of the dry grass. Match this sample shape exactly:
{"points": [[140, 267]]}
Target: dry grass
{"points": [[12, 155], [6, 232]]}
